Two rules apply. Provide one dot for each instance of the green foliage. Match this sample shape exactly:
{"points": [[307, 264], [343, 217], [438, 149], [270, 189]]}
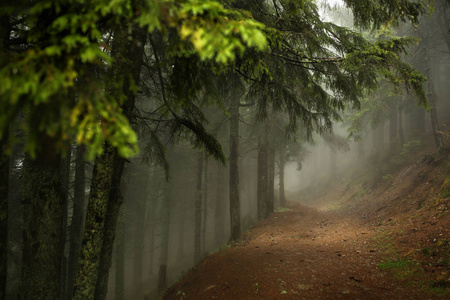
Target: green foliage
{"points": [[445, 188], [69, 40], [387, 177]]}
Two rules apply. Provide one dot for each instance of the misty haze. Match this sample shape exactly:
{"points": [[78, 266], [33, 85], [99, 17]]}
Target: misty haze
{"points": [[286, 149]]}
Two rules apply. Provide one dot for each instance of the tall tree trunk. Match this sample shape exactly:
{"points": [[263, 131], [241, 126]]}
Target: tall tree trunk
{"points": [[220, 206], [120, 257], [5, 30], [198, 210], [205, 208], [401, 132], [105, 199], [43, 198], [270, 179], [393, 128], [235, 214], [139, 214], [152, 199], [165, 235], [281, 175], [65, 176], [4, 190], [431, 99], [77, 224], [262, 182], [112, 214], [89, 263], [333, 162]]}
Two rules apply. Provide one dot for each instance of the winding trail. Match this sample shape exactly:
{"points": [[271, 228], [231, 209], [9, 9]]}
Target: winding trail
{"points": [[301, 254]]}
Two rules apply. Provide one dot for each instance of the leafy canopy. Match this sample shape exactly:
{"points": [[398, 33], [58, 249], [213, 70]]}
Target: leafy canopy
{"points": [[67, 44]]}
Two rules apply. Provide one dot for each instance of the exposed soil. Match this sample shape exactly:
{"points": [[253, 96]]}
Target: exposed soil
{"points": [[389, 242]]}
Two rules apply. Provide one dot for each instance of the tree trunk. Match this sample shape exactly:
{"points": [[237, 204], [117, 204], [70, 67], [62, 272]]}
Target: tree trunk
{"points": [[77, 225], [91, 247], [112, 214], [4, 190], [139, 214], [281, 174], [5, 29], [431, 99], [270, 180], [65, 177], [120, 257], [393, 128], [152, 199], [205, 208], [219, 209], [262, 182], [401, 132], [333, 162], [165, 235], [235, 214], [198, 210], [43, 197], [105, 198]]}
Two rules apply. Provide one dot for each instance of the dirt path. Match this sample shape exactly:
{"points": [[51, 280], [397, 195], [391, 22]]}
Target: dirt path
{"points": [[301, 254]]}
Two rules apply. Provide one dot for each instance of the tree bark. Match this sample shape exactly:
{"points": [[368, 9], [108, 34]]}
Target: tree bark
{"points": [[5, 29], [112, 214], [281, 175], [235, 214], [220, 207], [165, 235], [120, 257], [77, 225], [43, 197], [105, 198], [205, 207], [393, 128], [198, 210], [65, 177], [140, 210], [89, 262], [4, 190], [401, 132], [262, 188], [431, 99], [270, 180]]}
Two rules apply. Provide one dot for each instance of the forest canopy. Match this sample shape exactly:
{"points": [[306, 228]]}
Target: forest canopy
{"points": [[109, 78], [52, 46]]}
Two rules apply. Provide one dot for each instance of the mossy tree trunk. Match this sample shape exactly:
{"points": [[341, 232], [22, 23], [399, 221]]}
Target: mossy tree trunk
{"points": [[112, 214], [5, 29], [77, 224], [4, 190], [91, 246], [65, 177], [42, 231], [105, 198]]}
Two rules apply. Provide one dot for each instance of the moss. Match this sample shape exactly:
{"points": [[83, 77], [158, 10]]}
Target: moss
{"points": [[445, 188]]}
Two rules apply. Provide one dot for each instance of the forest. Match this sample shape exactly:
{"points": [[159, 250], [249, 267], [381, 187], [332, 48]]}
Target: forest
{"points": [[149, 147]]}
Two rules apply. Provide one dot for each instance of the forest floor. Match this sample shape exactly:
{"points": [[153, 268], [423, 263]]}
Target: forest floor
{"points": [[390, 240]]}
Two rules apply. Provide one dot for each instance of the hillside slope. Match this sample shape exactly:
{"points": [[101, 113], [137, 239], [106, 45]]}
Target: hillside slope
{"points": [[385, 239]]}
